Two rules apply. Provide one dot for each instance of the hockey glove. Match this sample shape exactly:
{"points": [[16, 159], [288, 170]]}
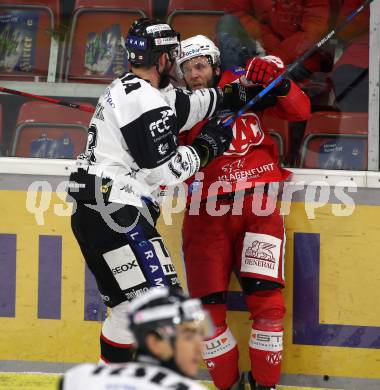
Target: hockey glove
{"points": [[213, 140], [263, 70], [237, 95]]}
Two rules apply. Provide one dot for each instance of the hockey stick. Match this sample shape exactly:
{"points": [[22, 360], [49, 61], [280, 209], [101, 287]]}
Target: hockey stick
{"points": [[293, 65], [81, 107]]}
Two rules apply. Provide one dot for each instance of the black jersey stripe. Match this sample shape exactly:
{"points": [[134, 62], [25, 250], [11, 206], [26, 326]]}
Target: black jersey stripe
{"points": [[211, 107], [219, 98], [182, 107]]}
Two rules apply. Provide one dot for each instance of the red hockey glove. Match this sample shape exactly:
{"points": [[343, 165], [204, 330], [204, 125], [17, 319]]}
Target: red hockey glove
{"points": [[263, 70]]}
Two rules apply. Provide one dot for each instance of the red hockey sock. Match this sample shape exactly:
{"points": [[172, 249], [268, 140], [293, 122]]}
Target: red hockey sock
{"points": [[265, 344], [265, 356], [220, 353], [221, 357]]}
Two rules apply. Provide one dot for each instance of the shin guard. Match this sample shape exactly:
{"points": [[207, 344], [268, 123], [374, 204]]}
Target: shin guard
{"points": [[220, 353], [267, 310]]}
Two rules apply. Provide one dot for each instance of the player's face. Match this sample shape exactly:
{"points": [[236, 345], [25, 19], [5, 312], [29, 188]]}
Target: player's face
{"points": [[188, 348], [198, 73]]}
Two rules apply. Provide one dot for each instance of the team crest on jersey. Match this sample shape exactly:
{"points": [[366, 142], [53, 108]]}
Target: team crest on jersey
{"points": [[247, 132]]}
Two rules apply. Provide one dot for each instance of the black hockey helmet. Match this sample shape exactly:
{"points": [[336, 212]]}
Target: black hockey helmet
{"points": [[160, 310], [147, 39]]}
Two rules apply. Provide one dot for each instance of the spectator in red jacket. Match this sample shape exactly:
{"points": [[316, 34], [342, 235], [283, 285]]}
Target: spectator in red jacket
{"points": [[350, 74], [283, 28]]}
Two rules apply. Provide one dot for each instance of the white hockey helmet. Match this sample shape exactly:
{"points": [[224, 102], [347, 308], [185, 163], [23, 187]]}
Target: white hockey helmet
{"points": [[196, 46], [161, 310]]}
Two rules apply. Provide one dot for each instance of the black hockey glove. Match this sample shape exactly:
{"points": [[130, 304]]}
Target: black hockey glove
{"points": [[237, 95], [213, 140]]}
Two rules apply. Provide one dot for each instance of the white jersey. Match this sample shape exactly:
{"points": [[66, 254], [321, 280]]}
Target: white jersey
{"points": [[129, 376], [133, 137]]}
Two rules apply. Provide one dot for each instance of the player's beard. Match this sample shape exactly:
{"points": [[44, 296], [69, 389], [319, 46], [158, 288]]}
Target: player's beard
{"points": [[211, 83], [165, 76], [215, 79]]}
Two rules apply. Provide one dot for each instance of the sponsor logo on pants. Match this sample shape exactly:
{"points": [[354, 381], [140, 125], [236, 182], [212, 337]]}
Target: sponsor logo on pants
{"points": [[261, 254]]}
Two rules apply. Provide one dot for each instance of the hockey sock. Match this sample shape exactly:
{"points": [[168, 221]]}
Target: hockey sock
{"points": [[267, 310], [220, 352], [116, 341], [112, 352]]}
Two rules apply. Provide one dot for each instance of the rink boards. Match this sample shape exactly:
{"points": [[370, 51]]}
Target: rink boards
{"points": [[50, 310]]}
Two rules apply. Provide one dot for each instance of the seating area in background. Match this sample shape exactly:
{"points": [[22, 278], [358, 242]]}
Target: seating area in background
{"points": [[89, 48], [335, 140], [95, 48], [332, 140], [46, 130], [27, 49], [279, 130], [195, 17], [86, 46]]}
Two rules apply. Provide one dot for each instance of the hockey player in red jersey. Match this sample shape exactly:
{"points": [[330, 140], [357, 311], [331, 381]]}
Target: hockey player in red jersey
{"points": [[215, 242]]}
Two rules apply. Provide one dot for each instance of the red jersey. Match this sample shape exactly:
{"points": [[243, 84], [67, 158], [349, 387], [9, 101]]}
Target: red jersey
{"points": [[252, 156]]}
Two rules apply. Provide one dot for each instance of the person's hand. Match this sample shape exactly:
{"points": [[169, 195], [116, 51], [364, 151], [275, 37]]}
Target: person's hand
{"points": [[263, 70], [213, 140]]}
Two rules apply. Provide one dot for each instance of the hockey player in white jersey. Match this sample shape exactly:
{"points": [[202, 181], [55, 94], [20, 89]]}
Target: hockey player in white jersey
{"points": [[169, 329], [132, 150]]}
